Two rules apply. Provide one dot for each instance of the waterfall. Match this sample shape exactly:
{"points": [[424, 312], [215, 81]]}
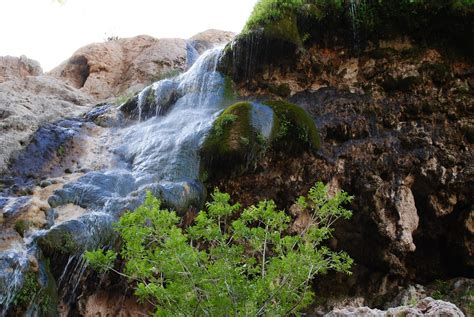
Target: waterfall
{"points": [[157, 152], [166, 147], [355, 6]]}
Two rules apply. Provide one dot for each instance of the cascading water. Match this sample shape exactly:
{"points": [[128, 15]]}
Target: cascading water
{"points": [[165, 147], [157, 152], [353, 11]]}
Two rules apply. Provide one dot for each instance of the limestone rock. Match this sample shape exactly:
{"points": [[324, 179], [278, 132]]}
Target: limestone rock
{"points": [[207, 39], [109, 69], [18, 67], [27, 103], [399, 222], [425, 307], [125, 66]]}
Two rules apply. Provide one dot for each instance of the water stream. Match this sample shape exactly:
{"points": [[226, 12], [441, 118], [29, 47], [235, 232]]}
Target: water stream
{"points": [[158, 151]]}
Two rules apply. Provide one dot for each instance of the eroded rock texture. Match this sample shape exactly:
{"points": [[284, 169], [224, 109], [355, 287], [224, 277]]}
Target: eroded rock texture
{"points": [[396, 127], [121, 67]]}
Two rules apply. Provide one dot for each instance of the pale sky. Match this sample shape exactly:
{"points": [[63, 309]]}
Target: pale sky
{"points": [[50, 32]]}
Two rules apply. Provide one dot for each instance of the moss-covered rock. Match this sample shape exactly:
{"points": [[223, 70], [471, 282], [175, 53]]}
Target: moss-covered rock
{"points": [[22, 226], [235, 142], [58, 241], [285, 29], [293, 129], [38, 294], [232, 141], [257, 50], [27, 293]]}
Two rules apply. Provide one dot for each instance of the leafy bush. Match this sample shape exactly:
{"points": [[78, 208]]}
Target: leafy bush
{"points": [[267, 11], [229, 262]]}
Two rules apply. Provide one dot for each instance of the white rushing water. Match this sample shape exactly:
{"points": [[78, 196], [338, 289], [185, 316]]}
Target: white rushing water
{"points": [[158, 150], [165, 147]]}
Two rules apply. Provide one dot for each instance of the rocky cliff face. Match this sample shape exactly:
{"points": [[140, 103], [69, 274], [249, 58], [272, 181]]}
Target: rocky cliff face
{"points": [[13, 68], [396, 126], [28, 99], [113, 70], [396, 123], [121, 67]]}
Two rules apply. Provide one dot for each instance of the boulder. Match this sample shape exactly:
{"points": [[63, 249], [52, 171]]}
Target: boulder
{"points": [[425, 307], [244, 131]]}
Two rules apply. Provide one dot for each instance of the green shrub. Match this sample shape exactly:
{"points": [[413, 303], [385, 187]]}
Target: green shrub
{"points": [[229, 262], [446, 23]]}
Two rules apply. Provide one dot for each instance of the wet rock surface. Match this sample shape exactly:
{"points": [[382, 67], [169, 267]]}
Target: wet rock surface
{"points": [[87, 171], [47, 145], [401, 149], [396, 133], [28, 103]]}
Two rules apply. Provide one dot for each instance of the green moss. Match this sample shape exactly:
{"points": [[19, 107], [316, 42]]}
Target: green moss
{"points": [[229, 91], [166, 74], [58, 240], [48, 298], [442, 289], [33, 294], [26, 295], [124, 98], [439, 22], [267, 12], [21, 226], [293, 123], [61, 151], [229, 127], [233, 145], [285, 28]]}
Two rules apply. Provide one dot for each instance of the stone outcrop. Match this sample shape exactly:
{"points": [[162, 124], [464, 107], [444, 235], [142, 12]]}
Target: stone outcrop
{"points": [[207, 39], [26, 102], [396, 129], [426, 307], [18, 68], [121, 67]]}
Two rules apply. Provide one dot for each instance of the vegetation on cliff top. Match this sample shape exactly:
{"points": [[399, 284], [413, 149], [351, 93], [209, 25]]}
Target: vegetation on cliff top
{"points": [[249, 262], [439, 22]]}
